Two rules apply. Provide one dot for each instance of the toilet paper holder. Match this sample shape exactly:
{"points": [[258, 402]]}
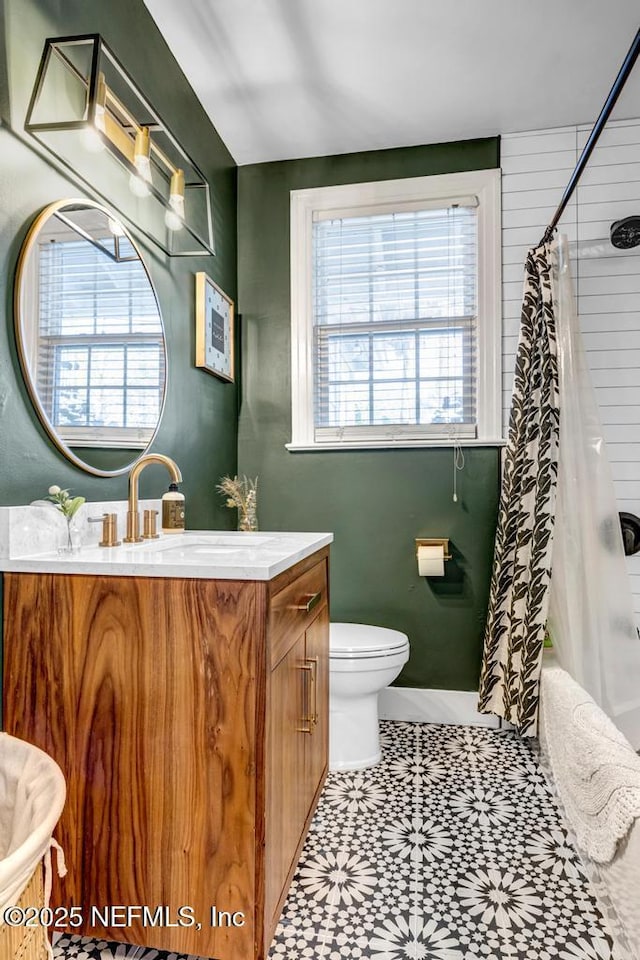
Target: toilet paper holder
{"points": [[434, 542]]}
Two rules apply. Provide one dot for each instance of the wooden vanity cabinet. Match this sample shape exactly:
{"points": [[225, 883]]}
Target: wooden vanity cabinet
{"points": [[190, 718]]}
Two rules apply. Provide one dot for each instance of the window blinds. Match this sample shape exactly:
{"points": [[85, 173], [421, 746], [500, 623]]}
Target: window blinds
{"points": [[394, 313], [100, 356]]}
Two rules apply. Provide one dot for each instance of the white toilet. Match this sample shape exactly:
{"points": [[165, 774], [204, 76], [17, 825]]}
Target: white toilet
{"points": [[362, 661]]}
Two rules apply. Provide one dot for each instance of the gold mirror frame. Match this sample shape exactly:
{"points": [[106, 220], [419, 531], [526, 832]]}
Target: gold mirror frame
{"points": [[19, 324]]}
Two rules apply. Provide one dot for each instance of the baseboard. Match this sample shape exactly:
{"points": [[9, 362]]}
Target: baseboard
{"points": [[433, 706]]}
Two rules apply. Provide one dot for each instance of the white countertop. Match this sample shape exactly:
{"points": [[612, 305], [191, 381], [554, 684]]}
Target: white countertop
{"points": [[199, 554]]}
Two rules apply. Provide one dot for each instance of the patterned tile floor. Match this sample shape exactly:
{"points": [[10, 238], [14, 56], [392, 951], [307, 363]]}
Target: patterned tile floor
{"points": [[452, 848]]}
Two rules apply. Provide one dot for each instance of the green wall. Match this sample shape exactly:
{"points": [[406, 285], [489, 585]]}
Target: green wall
{"points": [[375, 502], [199, 428]]}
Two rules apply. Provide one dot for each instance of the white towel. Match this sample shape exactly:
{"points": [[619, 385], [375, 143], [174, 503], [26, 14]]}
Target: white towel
{"points": [[595, 769]]}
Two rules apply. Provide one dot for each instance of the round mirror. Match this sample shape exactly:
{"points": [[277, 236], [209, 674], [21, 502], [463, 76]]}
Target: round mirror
{"points": [[90, 336]]}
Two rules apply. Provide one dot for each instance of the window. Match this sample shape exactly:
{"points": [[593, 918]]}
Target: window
{"points": [[395, 312], [100, 349]]}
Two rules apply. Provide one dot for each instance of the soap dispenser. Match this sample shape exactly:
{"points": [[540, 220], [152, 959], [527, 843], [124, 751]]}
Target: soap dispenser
{"points": [[173, 510]]}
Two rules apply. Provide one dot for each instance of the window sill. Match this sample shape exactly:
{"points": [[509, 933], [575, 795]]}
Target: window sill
{"points": [[332, 445]]}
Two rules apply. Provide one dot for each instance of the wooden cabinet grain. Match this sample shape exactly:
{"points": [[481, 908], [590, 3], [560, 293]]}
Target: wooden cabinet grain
{"points": [[190, 720]]}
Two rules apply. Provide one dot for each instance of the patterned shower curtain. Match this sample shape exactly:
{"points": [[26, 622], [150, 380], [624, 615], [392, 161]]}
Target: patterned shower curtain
{"points": [[519, 596]]}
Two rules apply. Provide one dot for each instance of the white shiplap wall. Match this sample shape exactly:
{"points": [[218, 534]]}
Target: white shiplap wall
{"points": [[535, 170]]}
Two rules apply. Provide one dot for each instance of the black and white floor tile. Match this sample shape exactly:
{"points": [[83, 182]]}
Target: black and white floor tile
{"points": [[452, 848], [71, 947]]}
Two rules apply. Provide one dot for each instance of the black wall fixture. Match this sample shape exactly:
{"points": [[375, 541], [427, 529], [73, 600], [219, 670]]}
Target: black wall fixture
{"points": [[625, 233], [630, 525]]}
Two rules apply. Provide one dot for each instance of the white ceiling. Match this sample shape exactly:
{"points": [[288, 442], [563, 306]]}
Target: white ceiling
{"points": [[297, 78]]}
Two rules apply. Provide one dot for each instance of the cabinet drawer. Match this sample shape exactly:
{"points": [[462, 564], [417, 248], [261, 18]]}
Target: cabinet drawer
{"points": [[293, 608]]}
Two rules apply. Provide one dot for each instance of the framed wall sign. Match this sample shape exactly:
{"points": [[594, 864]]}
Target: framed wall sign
{"points": [[214, 329]]}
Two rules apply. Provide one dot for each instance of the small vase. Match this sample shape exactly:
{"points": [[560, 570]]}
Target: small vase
{"points": [[247, 520], [248, 512], [72, 544]]}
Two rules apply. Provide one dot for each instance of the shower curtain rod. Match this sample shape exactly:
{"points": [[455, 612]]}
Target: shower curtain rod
{"points": [[598, 127]]}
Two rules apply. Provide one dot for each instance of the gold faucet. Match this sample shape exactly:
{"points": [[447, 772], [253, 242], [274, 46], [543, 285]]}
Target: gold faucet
{"points": [[133, 517]]}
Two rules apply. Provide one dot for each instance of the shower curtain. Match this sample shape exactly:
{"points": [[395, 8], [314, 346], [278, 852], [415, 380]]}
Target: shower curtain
{"points": [[559, 550], [591, 620], [519, 595]]}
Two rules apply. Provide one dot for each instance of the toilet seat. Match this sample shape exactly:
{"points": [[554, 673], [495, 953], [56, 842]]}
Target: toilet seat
{"points": [[353, 641]]}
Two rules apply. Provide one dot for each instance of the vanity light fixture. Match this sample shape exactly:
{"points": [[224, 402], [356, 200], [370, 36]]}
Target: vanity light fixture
{"points": [[88, 112]]}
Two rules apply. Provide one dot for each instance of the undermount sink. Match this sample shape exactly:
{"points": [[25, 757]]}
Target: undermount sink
{"points": [[187, 545], [199, 549]]}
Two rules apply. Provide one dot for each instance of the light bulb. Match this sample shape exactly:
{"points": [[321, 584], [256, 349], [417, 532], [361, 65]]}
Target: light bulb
{"points": [[143, 166], [92, 140], [142, 154], [174, 217], [91, 134], [116, 227], [138, 186], [173, 221]]}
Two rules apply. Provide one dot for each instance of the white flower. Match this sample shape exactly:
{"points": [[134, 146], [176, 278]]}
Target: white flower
{"points": [[54, 489]]}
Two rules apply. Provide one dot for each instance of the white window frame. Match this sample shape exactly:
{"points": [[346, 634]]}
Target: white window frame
{"points": [[359, 199]]}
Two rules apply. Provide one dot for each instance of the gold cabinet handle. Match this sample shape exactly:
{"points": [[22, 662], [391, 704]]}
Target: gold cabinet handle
{"points": [[313, 663], [307, 721], [313, 599]]}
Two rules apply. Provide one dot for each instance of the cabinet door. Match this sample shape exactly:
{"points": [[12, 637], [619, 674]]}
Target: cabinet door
{"points": [[317, 743], [297, 724], [286, 804]]}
